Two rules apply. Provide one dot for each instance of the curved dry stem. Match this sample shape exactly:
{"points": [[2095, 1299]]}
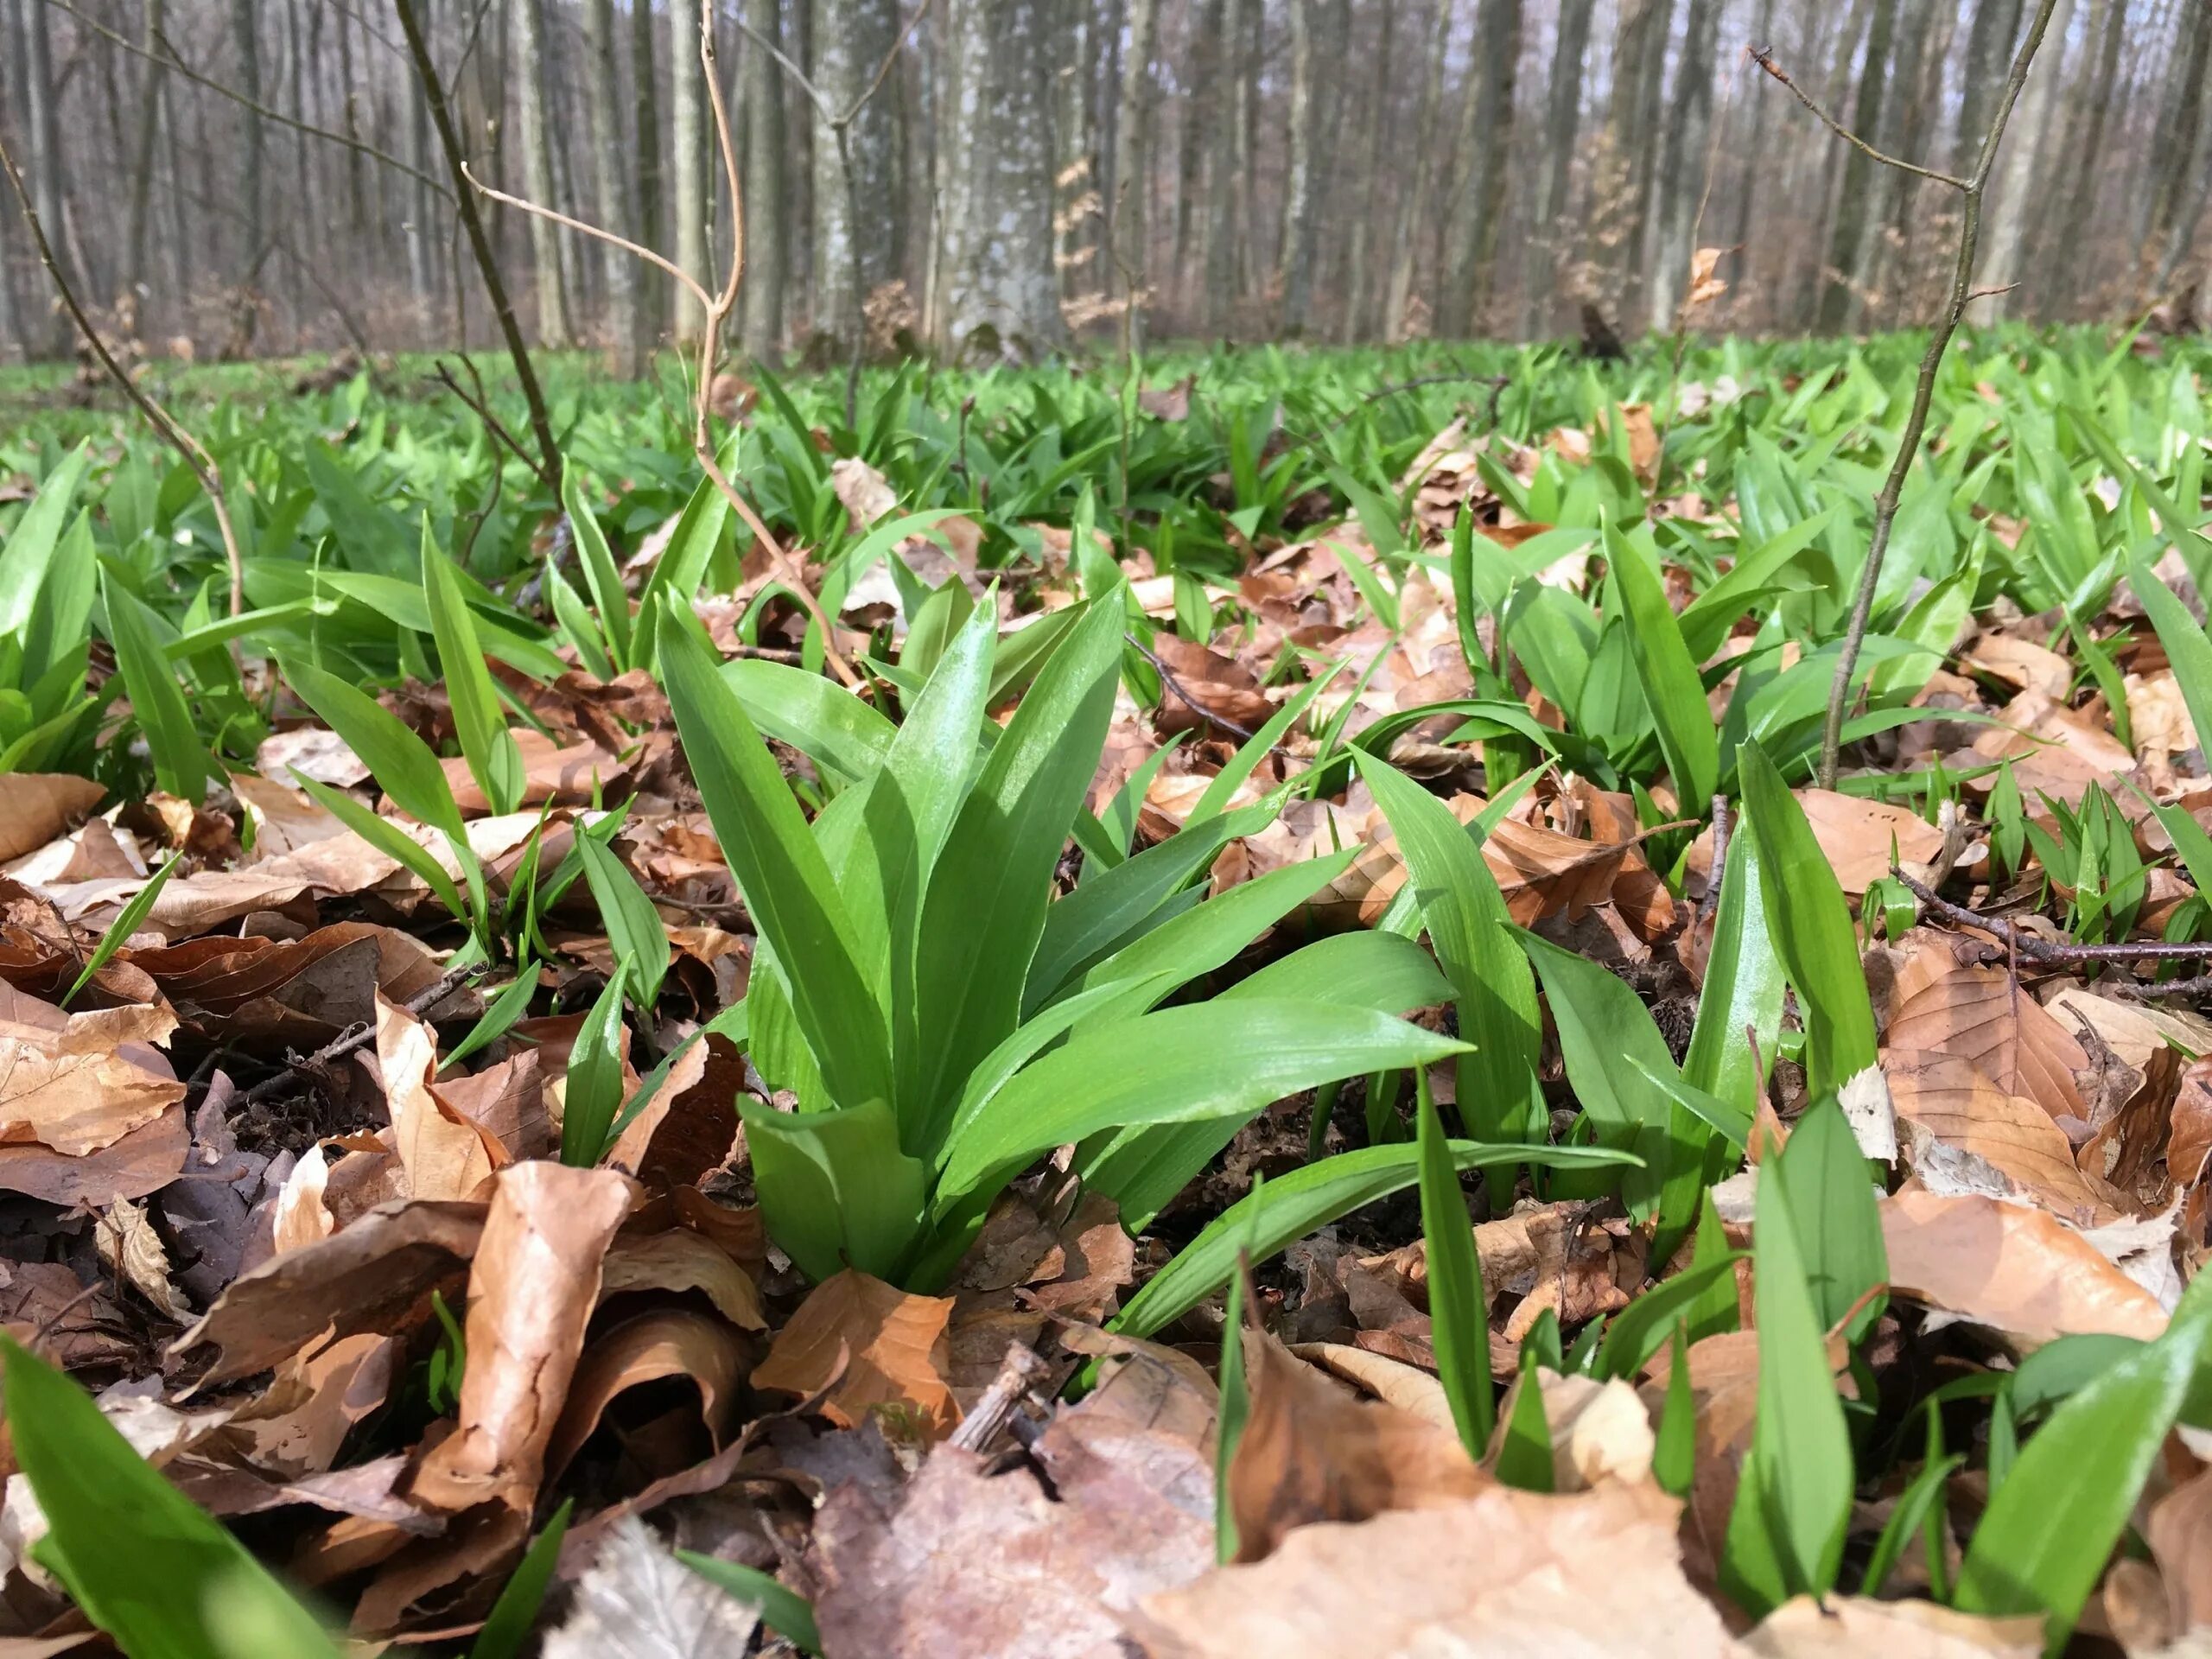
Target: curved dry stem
{"points": [[584, 229]]}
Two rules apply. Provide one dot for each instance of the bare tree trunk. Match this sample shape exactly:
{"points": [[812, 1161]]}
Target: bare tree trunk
{"points": [[1614, 235], [1373, 133], [1562, 120], [1294, 266], [2028, 160], [1414, 199], [41, 98], [1075, 171], [151, 77], [1485, 139], [1001, 297], [1125, 212], [688, 173], [651, 310], [1843, 279], [610, 180], [1989, 51], [1919, 76], [245, 41], [854, 240], [2087, 144], [1198, 145], [760, 324], [2174, 198], [1682, 175]]}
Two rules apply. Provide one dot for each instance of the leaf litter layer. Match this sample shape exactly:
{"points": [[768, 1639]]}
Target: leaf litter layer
{"points": [[1301, 1062]]}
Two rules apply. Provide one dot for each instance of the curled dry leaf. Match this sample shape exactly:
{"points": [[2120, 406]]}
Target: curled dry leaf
{"points": [[76, 1083], [680, 1260], [531, 1289], [1948, 1096], [1393, 1382], [2017, 1270], [1311, 1452], [895, 1348], [446, 1155], [37, 806], [365, 1278], [670, 1342], [1504, 1571]]}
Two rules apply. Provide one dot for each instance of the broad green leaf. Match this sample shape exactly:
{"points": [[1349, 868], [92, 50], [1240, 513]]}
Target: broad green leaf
{"points": [[143, 1562], [634, 927], [782, 1610], [1914, 1505], [520, 1599], [1687, 735], [182, 763], [682, 566], [815, 716], [494, 761], [1524, 1450], [1834, 1217], [577, 627], [1811, 926], [593, 1089], [1639, 1330], [1794, 1501], [601, 576], [402, 763], [1739, 1006], [836, 1190], [779, 869], [1213, 1060], [1465, 916], [2043, 1542], [1674, 1451], [1368, 970], [1208, 936], [2187, 648], [1311, 1196], [1457, 1307], [1606, 1035], [27, 556], [500, 1019], [987, 894], [1234, 1412]]}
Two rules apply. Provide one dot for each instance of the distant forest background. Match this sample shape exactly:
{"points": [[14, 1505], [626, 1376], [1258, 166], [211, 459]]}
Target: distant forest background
{"points": [[263, 176]]}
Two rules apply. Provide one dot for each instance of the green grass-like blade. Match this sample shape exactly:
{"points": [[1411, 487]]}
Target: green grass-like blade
{"points": [[494, 761], [1457, 1307]]}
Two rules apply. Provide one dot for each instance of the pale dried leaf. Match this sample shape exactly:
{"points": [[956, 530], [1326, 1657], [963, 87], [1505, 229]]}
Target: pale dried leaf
{"points": [[1986, 1016], [37, 806], [637, 1601], [445, 1155], [1859, 1627]]}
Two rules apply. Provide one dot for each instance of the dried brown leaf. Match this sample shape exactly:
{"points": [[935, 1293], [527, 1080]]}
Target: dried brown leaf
{"points": [[1985, 1015], [37, 806], [669, 1342], [895, 1346]]}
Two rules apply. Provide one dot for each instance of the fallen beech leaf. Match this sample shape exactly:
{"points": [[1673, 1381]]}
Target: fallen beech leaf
{"points": [[2180, 1535], [531, 1289], [1859, 1627], [637, 1601], [506, 1104], [680, 1260], [142, 1162], [1391, 1381], [573, 776], [2133, 1031], [1986, 1016], [1706, 284], [133, 1250], [671, 1342], [446, 1155], [1147, 1385], [896, 1347], [985, 1567], [1311, 1452], [1224, 691], [78, 1082], [1856, 834], [37, 806], [1503, 1572], [363, 1278], [300, 1421], [1946, 1095], [2018, 1270], [2021, 664], [1600, 1431]]}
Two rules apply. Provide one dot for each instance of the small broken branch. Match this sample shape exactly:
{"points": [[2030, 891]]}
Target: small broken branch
{"points": [[2048, 952], [1892, 491], [203, 465], [1764, 56], [1167, 679], [357, 1037]]}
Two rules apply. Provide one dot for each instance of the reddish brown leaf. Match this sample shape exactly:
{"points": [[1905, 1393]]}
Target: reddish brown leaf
{"points": [[895, 1346]]}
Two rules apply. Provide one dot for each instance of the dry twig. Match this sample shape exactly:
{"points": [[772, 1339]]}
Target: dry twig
{"points": [[1885, 503], [2047, 951]]}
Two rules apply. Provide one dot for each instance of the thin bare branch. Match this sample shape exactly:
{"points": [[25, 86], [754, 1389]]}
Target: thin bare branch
{"points": [[203, 465], [1765, 58], [1892, 491], [583, 229]]}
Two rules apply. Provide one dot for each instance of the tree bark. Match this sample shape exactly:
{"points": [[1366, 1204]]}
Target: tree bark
{"points": [[1682, 176], [760, 319], [688, 157], [1989, 55], [851, 39], [1562, 120], [1295, 267], [1198, 145], [2087, 143], [1373, 136], [619, 273], [1001, 298], [1614, 236], [555, 330], [1415, 198], [1486, 141], [41, 118], [2029, 160], [152, 74], [1126, 216], [246, 42], [651, 309], [1842, 280], [2174, 197]]}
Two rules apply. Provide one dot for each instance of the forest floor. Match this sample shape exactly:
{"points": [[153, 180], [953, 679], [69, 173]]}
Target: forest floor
{"points": [[1198, 1013]]}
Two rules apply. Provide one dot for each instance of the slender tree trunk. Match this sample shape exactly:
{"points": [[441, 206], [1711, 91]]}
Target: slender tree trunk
{"points": [[356, 207], [610, 180], [1754, 153], [1294, 266], [687, 171], [1920, 75], [41, 119], [1682, 176], [246, 42], [1843, 279], [1374, 134], [2026, 161], [1198, 145], [645, 99], [1615, 231], [422, 221], [2174, 195], [1990, 40], [1414, 206], [761, 296], [1485, 142], [1001, 298], [1562, 120], [851, 39], [2094, 103], [1127, 216], [150, 79]]}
